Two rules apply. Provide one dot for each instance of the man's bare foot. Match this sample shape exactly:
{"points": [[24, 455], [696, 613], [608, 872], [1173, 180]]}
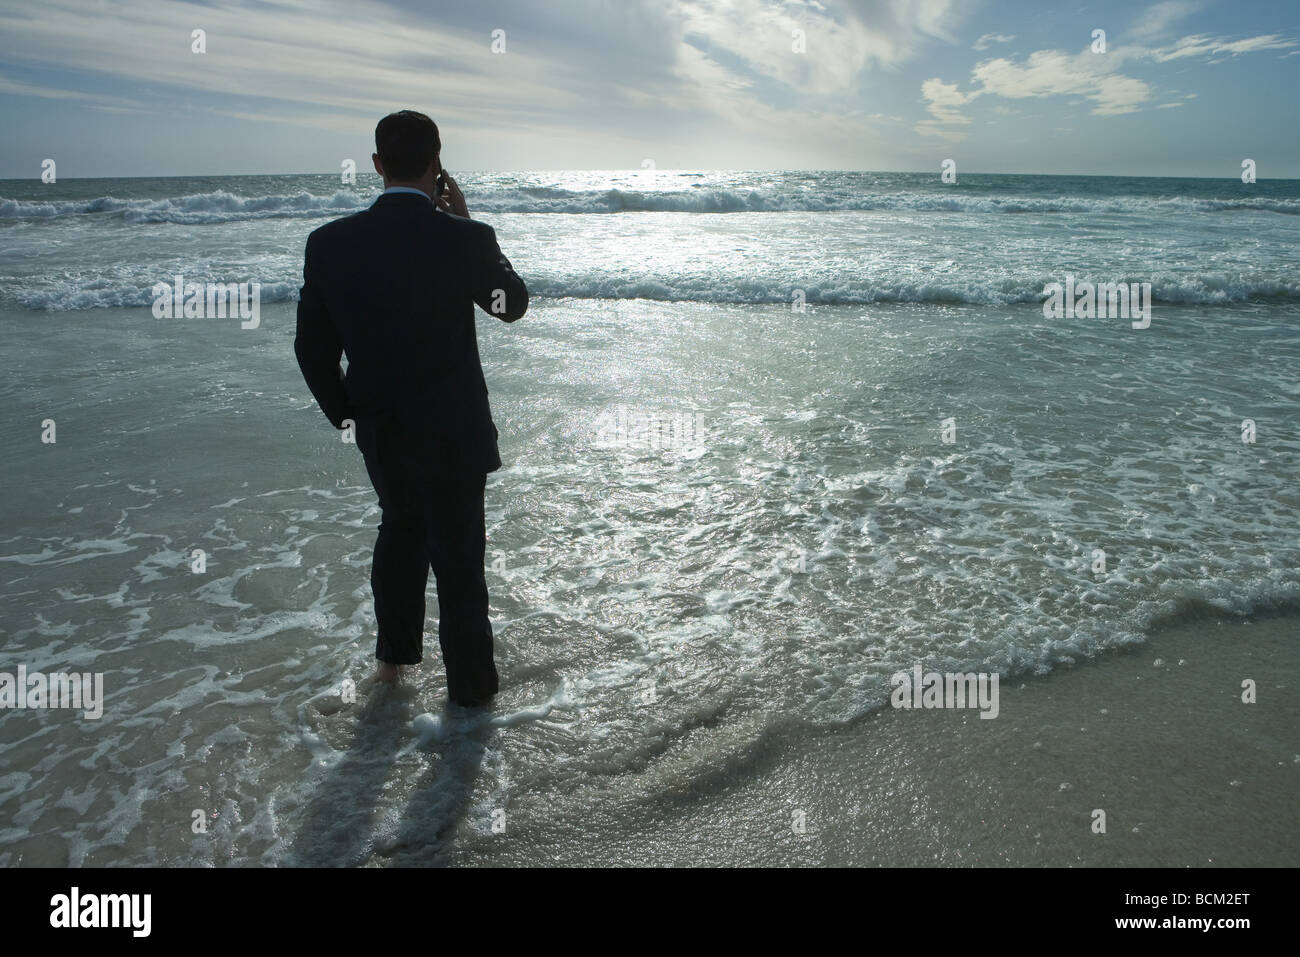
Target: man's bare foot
{"points": [[386, 672]]}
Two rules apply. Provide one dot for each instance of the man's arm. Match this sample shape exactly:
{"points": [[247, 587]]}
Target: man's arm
{"points": [[498, 290], [318, 348]]}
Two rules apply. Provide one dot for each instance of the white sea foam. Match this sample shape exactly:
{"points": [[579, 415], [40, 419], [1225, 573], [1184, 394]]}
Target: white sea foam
{"points": [[862, 289], [225, 207]]}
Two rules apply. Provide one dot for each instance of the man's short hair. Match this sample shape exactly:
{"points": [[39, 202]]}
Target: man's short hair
{"points": [[406, 142]]}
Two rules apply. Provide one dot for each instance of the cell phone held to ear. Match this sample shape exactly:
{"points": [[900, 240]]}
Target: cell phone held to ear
{"points": [[447, 195]]}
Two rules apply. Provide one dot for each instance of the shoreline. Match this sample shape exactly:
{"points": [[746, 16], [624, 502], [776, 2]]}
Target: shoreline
{"points": [[1156, 735]]}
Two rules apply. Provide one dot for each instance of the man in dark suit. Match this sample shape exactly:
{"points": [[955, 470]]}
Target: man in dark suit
{"points": [[394, 289]]}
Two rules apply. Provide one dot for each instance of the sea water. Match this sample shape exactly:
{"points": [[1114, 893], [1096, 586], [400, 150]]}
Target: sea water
{"points": [[769, 438]]}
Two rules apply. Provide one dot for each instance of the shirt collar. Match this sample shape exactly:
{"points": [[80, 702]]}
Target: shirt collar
{"points": [[406, 189]]}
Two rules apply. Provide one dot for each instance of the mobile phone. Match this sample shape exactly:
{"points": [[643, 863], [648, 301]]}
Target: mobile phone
{"points": [[440, 184]]}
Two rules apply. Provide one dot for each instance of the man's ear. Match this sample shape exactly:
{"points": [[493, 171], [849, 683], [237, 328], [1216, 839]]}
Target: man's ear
{"points": [[379, 167]]}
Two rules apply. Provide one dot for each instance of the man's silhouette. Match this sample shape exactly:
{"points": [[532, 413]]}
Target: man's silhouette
{"points": [[394, 289]]}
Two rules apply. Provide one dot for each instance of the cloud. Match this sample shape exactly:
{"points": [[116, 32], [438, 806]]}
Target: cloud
{"points": [[840, 39], [583, 67], [1092, 76], [349, 57], [943, 99], [1215, 46], [98, 101], [1044, 73], [926, 128], [988, 39], [1052, 73], [899, 27], [1156, 20]]}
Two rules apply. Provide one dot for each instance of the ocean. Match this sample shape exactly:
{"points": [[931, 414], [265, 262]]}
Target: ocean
{"points": [[769, 438]]}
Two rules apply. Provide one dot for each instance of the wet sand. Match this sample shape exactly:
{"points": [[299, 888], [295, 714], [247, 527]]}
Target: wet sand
{"points": [[1156, 735]]}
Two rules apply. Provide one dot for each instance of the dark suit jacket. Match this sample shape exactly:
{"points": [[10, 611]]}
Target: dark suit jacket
{"points": [[394, 288]]}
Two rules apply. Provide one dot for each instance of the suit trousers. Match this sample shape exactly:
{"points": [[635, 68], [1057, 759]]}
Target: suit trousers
{"points": [[432, 517]]}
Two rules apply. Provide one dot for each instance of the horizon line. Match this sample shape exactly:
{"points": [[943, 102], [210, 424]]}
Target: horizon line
{"points": [[673, 169]]}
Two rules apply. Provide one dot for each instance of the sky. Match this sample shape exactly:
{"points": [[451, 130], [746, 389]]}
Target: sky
{"points": [[1183, 87]]}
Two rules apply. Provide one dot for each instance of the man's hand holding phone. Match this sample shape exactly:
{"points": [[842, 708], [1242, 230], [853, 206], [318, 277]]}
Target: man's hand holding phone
{"points": [[450, 198]]}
